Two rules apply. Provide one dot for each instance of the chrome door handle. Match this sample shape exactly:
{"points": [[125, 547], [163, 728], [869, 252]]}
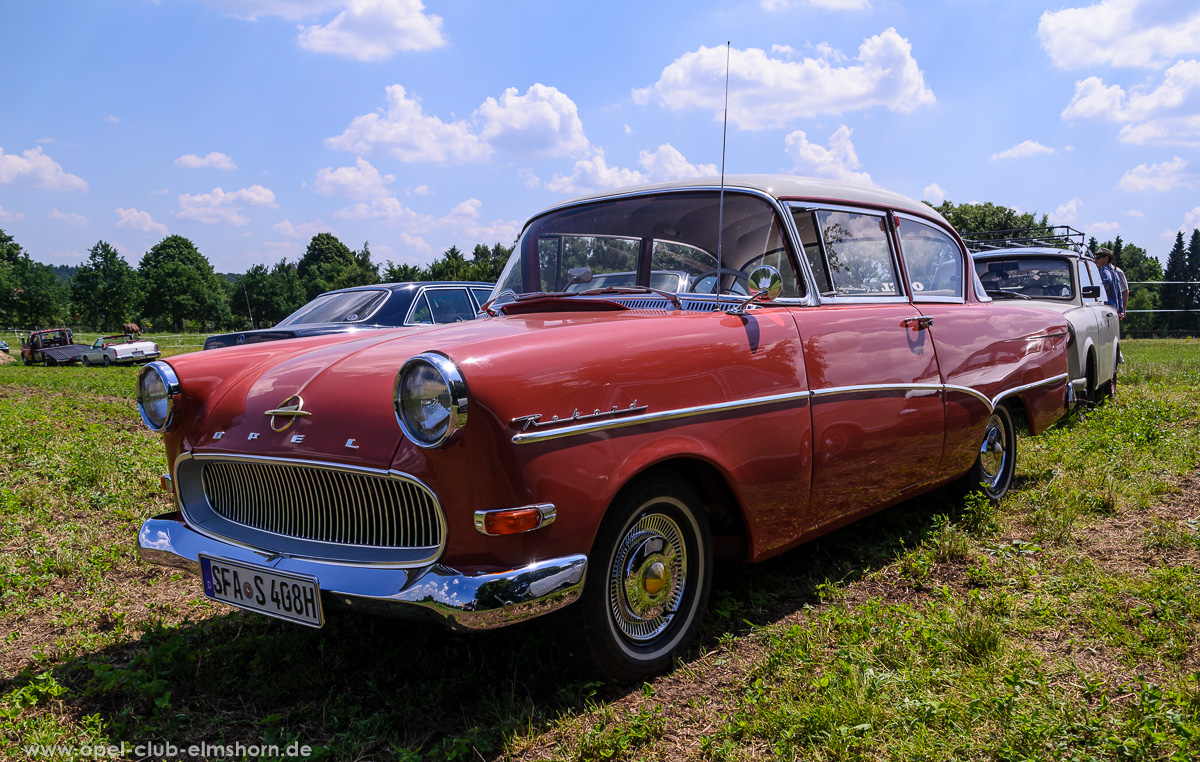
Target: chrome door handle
{"points": [[922, 322]]}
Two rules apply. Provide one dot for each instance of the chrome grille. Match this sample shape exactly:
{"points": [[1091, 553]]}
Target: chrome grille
{"points": [[325, 505]]}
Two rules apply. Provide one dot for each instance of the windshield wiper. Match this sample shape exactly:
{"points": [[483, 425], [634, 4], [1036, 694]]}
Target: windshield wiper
{"points": [[669, 296], [1009, 294]]}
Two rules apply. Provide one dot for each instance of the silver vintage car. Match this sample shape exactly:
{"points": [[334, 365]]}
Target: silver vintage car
{"points": [[1029, 265]]}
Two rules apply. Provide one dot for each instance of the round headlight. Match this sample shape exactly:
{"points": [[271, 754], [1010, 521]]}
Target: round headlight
{"points": [[157, 388], [431, 400]]}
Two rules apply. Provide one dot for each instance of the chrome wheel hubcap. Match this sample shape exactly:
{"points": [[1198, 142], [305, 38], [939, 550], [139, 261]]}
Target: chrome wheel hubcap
{"points": [[647, 577], [993, 453]]}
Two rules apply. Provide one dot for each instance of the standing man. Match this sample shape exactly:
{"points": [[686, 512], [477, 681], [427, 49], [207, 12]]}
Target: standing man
{"points": [[1112, 284]]}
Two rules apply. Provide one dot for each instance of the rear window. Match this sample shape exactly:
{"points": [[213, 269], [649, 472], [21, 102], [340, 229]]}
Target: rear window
{"points": [[1034, 277]]}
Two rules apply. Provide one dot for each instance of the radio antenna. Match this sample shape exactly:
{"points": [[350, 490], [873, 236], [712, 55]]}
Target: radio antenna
{"points": [[721, 201]]}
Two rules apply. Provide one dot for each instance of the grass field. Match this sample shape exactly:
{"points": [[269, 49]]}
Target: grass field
{"points": [[1062, 625]]}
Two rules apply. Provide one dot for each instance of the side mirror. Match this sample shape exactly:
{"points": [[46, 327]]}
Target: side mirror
{"points": [[1091, 292], [578, 275], [765, 284]]}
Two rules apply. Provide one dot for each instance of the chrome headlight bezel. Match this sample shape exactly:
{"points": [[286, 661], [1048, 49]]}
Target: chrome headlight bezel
{"points": [[455, 401], [162, 373]]}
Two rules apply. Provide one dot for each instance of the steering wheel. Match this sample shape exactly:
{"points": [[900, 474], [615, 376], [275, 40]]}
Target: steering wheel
{"points": [[737, 275]]}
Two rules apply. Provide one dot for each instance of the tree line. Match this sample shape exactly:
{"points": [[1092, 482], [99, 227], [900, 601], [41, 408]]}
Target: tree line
{"points": [[175, 288]]}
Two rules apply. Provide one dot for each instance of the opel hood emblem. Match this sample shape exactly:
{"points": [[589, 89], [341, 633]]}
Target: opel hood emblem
{"points": [[286, 414]]}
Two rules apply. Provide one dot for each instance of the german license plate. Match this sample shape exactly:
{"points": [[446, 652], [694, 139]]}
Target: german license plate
{"points": [[293, 597]]}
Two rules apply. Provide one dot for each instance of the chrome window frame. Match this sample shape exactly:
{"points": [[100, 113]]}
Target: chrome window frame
{"points": [[421, 296], [964, 257], [388, 295], [900, 298]]}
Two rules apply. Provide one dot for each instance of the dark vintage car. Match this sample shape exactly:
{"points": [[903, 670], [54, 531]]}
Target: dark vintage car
{"points": [[385, 305], [596, 448], [1064, 278]]}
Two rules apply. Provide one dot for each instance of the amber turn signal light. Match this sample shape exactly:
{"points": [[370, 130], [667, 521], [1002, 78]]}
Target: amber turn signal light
{"points": [[514, 520]]}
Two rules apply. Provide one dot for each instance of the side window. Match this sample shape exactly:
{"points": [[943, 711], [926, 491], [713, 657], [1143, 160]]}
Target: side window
{"points": [[858, 254], [1094, 273], [482, 295], [806, 224], [933, 261], [450, 305], [420, 312]]}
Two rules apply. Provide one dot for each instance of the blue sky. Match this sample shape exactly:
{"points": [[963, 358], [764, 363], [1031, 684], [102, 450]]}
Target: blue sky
{"points": [[250, 125]]}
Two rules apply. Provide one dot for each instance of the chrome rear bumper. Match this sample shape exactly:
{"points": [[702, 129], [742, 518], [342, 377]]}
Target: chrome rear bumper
{"points": [[459, 601]]}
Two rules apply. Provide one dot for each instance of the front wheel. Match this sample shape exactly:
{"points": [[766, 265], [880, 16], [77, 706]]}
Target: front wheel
{"points": [[997, 462], [86, 362], [648, 580]]}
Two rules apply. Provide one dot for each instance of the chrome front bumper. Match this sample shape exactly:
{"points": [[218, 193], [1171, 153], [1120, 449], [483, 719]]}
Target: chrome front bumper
{"points": [[459, 601]]}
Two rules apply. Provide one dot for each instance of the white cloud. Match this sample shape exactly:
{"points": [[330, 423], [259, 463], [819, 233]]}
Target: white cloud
{"points": [[421, 190], [214, 160], [408, 134], [831, 5], [252, 10], [1152, 114], [111, 119], [1136, 213], [1123, 33], [660, 165], [219, 207], [375, 30], [1022, 150], [464, 220], [36, 168], [768, 92], [934, 194], [1066, 213], [1182, 131], [161, 192], [1103, 228], [43, 141], [69, 218], [11, 216], [1191, 219], [362, 181], [543, 122], [303, 230], [135, 219], [1159, 177], [836, 162]]}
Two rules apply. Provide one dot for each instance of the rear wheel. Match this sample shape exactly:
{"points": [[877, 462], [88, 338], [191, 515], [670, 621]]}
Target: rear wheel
{"points": [[648, 580], [994, 468], [107, 361]]}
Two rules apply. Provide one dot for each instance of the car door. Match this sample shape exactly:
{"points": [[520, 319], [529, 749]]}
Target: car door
{"points": [[1108, 328], [877, 411]]}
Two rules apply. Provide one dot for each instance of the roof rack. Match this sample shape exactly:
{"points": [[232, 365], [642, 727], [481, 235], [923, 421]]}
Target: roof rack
{"points": [[1055, 237]]}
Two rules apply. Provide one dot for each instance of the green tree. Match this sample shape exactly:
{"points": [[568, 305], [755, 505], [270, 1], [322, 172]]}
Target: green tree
{"points": [[1175, 296], [1192, 272], [487, 264], [31, 294], [976, 218], [104, 291], [179, 285], [403, 273], [271, 294], [329, 264], [452, 265]]}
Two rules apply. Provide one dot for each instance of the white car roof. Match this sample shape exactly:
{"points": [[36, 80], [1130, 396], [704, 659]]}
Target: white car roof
{"points": [[783, 187]]}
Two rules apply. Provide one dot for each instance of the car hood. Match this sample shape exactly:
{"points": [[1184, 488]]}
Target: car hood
{"points": [[220, 340], [346, 384]]}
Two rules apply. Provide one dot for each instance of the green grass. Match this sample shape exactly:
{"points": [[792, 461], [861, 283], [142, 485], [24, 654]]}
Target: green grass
{"points": [[1062, 624]]}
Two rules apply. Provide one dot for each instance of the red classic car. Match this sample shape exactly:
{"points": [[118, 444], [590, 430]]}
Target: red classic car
{"points": [[833, 354]]}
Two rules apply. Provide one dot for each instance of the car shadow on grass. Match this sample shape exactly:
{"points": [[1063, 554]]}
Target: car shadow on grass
{"points": [[365, 687]]}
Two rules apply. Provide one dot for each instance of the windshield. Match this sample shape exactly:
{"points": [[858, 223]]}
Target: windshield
{"points": [[341, 307], [664, 241], [1033, 277]]}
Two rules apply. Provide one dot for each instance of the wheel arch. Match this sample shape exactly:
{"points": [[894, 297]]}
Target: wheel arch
{"points": [[724, 510]]}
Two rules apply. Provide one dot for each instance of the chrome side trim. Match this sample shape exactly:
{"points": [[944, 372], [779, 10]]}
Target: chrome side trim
{"points": [[458, 600], [669, 415], [877, 388], [666, 415], [1060, 378]]}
